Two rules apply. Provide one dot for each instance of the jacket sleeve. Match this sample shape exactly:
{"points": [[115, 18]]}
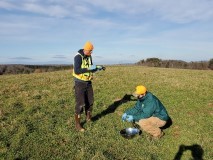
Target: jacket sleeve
{"points": [[131, 111], [144, 111], [77, 65]]}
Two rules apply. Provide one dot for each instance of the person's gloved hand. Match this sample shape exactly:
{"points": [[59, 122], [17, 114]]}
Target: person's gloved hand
{"points": [[100, 67], [124, 116], [129, 118], [92, 68]]}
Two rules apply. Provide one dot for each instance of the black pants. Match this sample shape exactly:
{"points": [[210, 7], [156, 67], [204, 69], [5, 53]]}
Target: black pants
{"points": [[83, 96]]}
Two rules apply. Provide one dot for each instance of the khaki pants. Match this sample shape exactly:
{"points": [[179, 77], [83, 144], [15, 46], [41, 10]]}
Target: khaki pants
{"points": [[152, 125]]}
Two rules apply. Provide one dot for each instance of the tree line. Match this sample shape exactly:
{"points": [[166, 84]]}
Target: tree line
{"points": [[150, 62], [27, 69], [156, 62]]}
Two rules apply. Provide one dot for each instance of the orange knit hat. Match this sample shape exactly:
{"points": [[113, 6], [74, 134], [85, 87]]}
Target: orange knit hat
{"points": [[88, 46]]}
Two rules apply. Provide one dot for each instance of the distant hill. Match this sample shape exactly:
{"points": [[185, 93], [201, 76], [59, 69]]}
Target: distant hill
{"points": [[26, 69], [156, 62], [150, 62]]}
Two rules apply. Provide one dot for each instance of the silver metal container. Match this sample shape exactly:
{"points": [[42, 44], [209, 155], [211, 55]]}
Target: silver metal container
{"points": [[129, 133]]}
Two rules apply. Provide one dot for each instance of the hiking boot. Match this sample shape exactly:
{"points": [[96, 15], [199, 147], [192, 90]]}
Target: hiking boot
{"points": [[77, 123], [88, 116]]}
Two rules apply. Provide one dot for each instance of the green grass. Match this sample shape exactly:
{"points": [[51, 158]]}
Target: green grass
{"points": [[37, 115]]}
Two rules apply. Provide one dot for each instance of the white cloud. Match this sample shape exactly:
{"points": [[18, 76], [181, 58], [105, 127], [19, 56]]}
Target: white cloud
{"points": [[50, 10], [182, 11], [6, 5], [137, 27], [58, 9]]}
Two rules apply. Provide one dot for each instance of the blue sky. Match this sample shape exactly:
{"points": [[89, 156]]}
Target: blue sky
{"points": [[122, 31]]}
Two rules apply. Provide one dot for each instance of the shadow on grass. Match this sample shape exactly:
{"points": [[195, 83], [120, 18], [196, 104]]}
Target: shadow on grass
{"points": [[111, 108], [196, 151]]}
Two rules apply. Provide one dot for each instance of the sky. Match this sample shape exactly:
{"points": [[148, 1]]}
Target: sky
{"points": [[122, 31]]}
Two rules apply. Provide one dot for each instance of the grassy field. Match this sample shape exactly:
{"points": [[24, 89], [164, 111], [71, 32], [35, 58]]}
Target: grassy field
{"points": [[37, 116]]}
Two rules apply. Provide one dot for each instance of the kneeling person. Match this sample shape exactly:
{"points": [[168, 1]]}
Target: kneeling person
{"points": [[148, 112]]}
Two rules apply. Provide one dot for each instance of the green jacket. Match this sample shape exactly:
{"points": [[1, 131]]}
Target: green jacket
{"points": [[148, 106]]}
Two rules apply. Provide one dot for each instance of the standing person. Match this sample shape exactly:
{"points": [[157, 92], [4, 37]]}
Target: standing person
{"points": [[83, 73], [148, 112]]}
